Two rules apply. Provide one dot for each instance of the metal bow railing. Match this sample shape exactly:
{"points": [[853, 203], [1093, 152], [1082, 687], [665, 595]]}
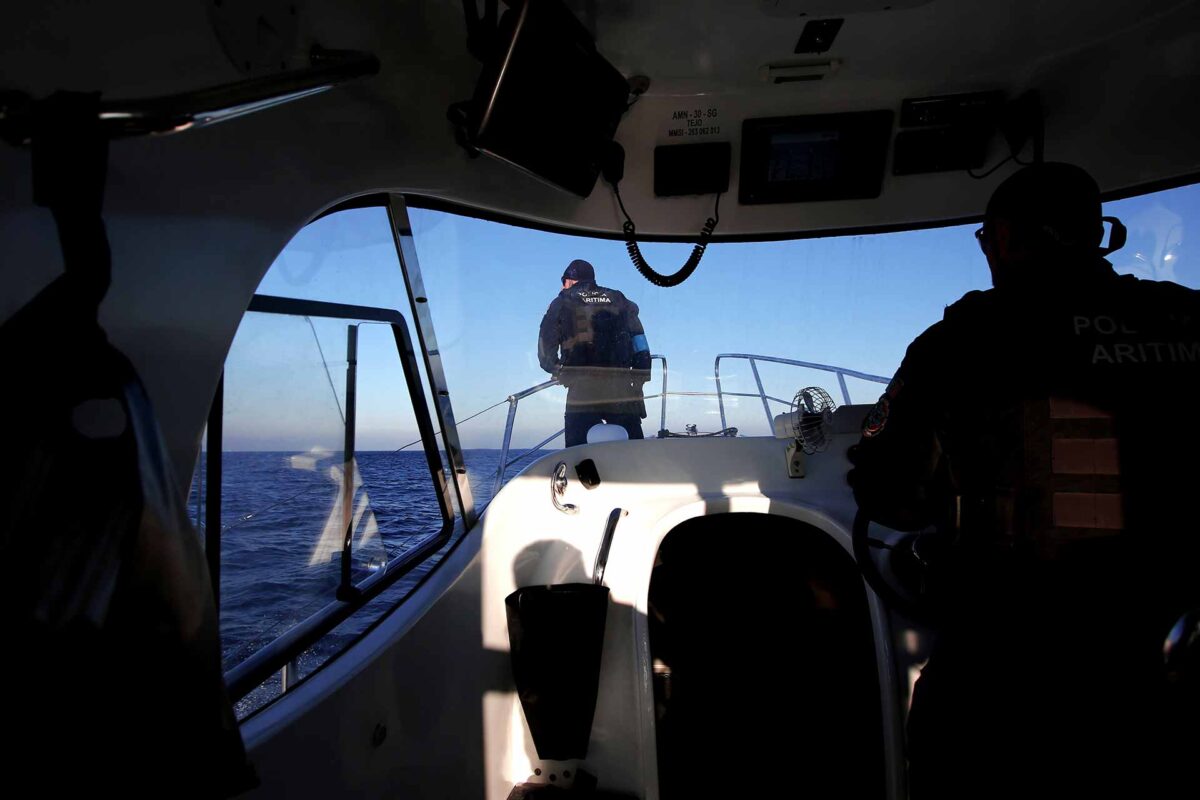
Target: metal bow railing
{"points": [[841, 373], [515, 399], [720, 395]]}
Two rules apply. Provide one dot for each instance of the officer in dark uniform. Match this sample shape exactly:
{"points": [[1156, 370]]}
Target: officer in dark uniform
{"points": [[1046, 428], [592, 340]]}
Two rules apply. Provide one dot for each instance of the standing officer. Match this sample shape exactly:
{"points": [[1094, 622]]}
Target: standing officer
{"points": [[592, 341], [1046, 426]]}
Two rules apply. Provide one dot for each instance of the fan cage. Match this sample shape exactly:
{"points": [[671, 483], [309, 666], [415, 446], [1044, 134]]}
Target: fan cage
{"points": [[812, 418]]}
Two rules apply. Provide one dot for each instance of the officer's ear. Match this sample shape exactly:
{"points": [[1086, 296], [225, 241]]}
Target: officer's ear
{"points": [[1000, 232]]}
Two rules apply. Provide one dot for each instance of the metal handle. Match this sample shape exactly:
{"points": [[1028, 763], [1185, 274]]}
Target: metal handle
{"points": [[558, 487], [610, 528], [196, 109]]}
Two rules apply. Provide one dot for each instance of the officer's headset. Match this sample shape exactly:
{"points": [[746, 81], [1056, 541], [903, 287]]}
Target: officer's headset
{"points": [[1117, 236]]}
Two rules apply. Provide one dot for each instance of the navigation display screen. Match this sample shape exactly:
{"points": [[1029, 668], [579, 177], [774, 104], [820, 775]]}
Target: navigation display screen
{"points": [[803, 156], [813, 158]]}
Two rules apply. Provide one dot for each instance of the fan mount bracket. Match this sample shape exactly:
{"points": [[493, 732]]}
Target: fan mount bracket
{"points": [[795, 459]]}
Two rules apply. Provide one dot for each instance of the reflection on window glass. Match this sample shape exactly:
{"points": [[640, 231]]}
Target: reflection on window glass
{"points": [[286, 500], [348, 257], [281, 476], [1157, 223]]}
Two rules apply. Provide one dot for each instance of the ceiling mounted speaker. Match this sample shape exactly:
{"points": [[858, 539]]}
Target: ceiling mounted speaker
{"points": [[798, 71]]}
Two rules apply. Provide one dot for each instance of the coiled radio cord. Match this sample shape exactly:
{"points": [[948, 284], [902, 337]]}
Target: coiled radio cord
{"points": [[689, 266]]}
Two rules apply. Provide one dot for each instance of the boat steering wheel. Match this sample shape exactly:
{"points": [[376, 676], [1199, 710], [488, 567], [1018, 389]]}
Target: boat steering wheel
{"points": [[904, 557]]}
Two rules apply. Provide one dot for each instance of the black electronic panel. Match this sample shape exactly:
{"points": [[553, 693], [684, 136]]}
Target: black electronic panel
{"points": [[547, 102], [955, 147], [691, 168], [812, 158], [950, 109]]}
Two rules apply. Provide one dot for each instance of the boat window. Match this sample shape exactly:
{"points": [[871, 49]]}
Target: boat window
{"points": [[852, 302], [313, 393]]}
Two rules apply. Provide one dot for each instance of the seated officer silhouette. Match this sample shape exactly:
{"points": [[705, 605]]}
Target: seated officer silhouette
{"points": [[1044, 426]]}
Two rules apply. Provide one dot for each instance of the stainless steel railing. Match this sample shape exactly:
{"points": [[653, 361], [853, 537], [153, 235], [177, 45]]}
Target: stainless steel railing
{"points": [[515, 399], [720, 395], [841, 373]]}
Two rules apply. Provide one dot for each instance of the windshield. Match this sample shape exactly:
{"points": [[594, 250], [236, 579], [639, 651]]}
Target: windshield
{"points": [[852, 302], [849, 301]]}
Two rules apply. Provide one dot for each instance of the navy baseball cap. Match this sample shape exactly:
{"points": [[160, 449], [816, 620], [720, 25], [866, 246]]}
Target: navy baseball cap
{"points": [[579, 270]]}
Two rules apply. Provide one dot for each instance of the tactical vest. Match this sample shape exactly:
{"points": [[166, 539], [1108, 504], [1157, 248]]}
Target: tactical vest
{"points": [[1059, 488], [596, 329], [1069, 452]]}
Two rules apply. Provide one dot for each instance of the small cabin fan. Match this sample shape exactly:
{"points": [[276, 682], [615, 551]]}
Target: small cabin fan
{"points": [[812, 419]]}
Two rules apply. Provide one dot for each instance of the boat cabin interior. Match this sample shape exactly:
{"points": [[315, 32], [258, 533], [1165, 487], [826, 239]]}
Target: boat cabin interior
{"points": [[287, 493]]}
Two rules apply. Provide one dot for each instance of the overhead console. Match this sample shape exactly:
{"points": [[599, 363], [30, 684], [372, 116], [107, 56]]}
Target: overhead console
{"points": [[813, 158]]}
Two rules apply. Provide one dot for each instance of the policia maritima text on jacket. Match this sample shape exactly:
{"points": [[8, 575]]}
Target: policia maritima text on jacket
{"points": [[1046, 426], [592, 340]]}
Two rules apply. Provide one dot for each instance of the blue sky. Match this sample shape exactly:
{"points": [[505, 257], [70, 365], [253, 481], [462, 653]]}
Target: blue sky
{"points": [[853, 301]]}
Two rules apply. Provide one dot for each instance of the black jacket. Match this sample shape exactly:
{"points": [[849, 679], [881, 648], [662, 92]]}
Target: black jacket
{"points": [[1113, 363], [1056, 420], [592, 338]]}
